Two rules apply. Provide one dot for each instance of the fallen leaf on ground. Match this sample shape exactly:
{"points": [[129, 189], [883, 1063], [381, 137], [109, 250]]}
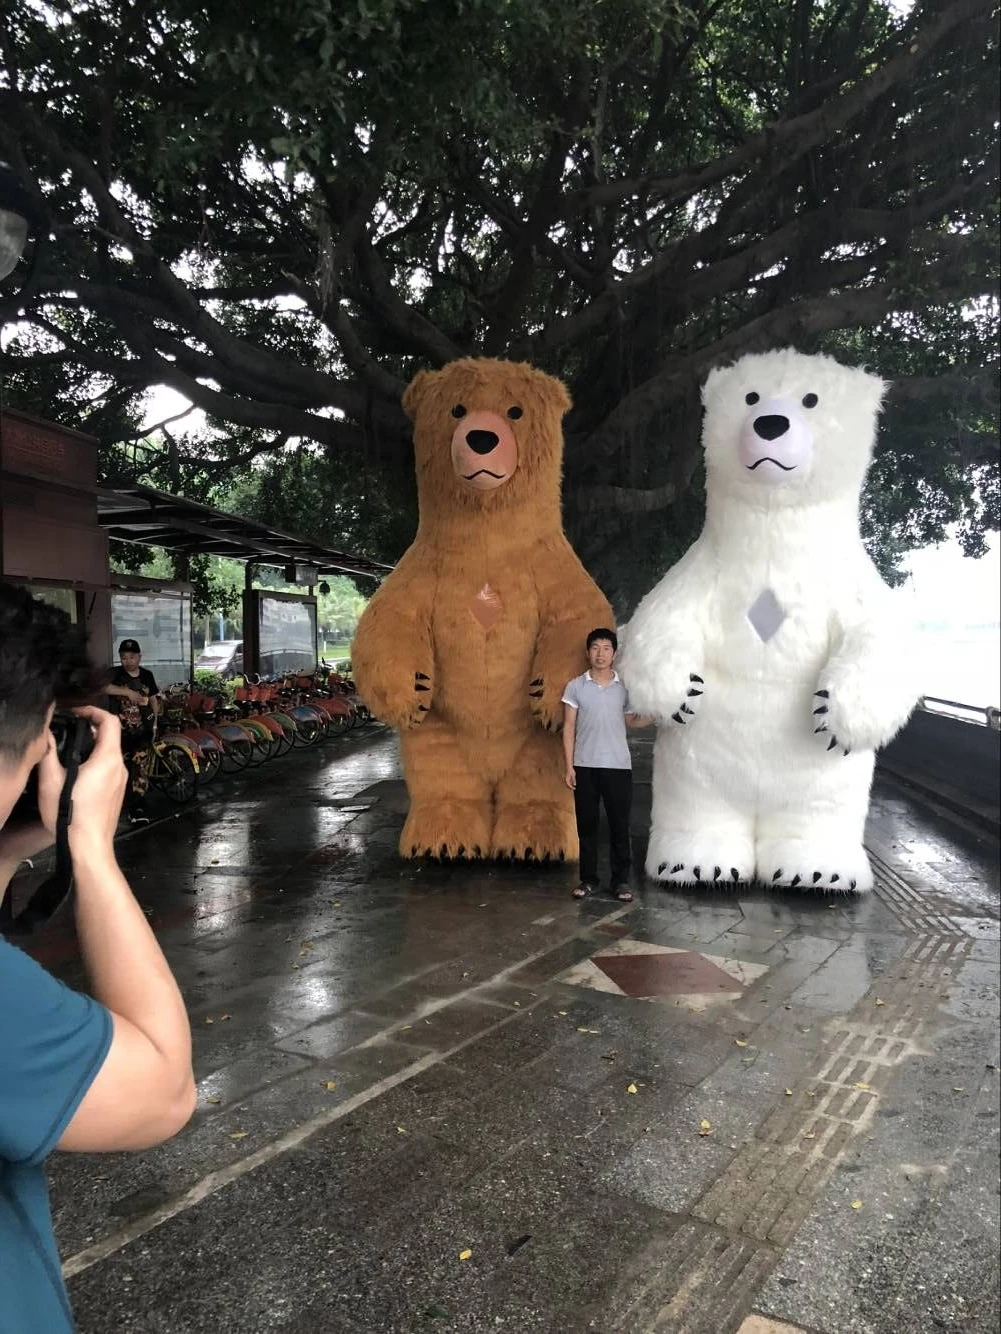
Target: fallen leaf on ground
{"points": [[213, 1097], [788, 1093], [856, 1204], [880, 1002], [330, 1085], [866, 1088], [224, 1017], [400, 1130], [589, 1030], [631, 1088], [210, 1021], [739, 1042], [239, 1134], [465, 1255], [811, 1134], [959, 1090], [705, 1128]]}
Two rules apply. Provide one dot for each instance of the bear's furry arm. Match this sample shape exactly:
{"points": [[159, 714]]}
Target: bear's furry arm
{"points": [[662, 658], [869, 677], [392, 656], [571, 605]]}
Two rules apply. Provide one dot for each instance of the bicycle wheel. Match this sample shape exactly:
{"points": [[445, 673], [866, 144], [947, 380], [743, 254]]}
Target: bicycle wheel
{"points": [[174, 772], [239, 751], [209, 763]]}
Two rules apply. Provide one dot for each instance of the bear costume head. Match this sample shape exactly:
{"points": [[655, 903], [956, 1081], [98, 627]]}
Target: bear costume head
{"points": [[784, 430], [488, 436]]}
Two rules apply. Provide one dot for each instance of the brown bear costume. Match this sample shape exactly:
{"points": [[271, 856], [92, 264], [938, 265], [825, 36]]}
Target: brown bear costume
{"points": [[467, 646]]}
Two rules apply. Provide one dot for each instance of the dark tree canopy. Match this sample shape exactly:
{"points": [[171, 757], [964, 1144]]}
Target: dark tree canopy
{"points": [[284, 211]]}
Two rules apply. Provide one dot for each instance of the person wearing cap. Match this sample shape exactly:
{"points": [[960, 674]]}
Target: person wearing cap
{"points": [[134, 695]]}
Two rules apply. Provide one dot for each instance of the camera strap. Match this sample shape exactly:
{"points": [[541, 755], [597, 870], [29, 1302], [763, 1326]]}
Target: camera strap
{"points": [[53, 892]]}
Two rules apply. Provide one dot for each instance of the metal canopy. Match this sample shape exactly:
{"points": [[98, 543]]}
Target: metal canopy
{"points": [[142, 514]]}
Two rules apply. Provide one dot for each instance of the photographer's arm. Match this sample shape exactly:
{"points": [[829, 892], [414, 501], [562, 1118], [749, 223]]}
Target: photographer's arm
{"points": [[144, 1091]]}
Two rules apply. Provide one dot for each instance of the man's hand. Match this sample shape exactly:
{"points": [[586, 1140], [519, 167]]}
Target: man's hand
{"points": [[570, 778], [97, 793]]}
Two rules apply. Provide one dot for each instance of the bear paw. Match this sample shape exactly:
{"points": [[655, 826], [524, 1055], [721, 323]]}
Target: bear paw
{"points": [[704, 859], [546, 704], [534, 831], [446, 830], [822, 720], [840, 868], [685, 711]]}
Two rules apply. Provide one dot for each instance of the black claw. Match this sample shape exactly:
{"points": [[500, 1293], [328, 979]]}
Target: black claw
{"points": [[817, 875], [833, 742], [694, 692], [678, 718], [852, 884], [538, 681], [698, 872], [535, 694], [686, 709], [848, 750], [460, 850], [734, 873], [443, 851], [419, 676], [717, 872], [821, 728], [835, 878], [795, 880], [822, 709], [423, 708], [777, 874], [822, 694], [678, 866], [420, 687], [661, 868], [697, 679]]}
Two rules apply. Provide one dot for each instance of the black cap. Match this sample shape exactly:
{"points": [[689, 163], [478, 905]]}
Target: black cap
{"points": [[129, 646]]}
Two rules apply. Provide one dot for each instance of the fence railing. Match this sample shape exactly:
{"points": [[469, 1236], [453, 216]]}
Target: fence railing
{"points": [[989, 716]]}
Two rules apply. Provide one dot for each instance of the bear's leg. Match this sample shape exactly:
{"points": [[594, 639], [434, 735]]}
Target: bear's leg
{"points": [[699, 834], [534, 815], [810, 829], [450, 805]]}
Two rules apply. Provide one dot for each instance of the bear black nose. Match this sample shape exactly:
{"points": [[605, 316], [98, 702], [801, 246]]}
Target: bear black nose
{"points": [[771, 427], [482, 442]]}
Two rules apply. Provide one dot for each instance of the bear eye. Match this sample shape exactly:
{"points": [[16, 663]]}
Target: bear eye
{"points": [[515, 413], [751, 398], [458, 410], [809, 400]]}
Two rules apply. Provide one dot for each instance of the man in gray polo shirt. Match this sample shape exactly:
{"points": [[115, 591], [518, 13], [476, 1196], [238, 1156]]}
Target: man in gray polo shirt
{"points": [[598, 764]]}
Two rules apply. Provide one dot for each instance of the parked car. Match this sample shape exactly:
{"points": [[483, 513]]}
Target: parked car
{"points": [[225, 657]]}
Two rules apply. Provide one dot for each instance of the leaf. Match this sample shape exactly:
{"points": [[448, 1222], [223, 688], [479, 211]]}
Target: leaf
{"points": [[788, 1093], [213, 1098], [880, 1002], [239, 1134], [595, 1031], [210, 1021], [400, 1130], [330, 1085], [856, 1204], [705, 1128], [631, 1088], [810, 1134], [739, 1042], [465, 1255], [866, 1088], [562, 1013], [224, 1017]]}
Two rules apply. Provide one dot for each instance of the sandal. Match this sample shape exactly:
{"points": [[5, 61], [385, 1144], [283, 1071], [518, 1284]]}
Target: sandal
{"points": [[582, 890], [623, 893]]}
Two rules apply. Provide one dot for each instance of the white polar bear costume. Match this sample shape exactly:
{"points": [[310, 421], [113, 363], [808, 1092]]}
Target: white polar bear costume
{"points": [[770, 654]]}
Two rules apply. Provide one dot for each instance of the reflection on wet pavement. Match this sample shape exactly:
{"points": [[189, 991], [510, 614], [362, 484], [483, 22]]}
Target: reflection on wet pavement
{"points": [[768, 1103]]}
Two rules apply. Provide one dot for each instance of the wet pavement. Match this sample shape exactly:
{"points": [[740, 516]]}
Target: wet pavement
{"points": [[454, 1099]]}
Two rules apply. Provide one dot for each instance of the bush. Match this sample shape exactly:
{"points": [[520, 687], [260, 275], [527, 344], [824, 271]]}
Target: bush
{"points": [[214, 684]]}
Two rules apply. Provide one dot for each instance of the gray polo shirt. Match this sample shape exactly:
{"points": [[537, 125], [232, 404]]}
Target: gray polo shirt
{"points": [[600, 738]]}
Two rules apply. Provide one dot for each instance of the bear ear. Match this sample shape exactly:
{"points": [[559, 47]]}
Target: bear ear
{"points": [[415, 391], [712, 383]]}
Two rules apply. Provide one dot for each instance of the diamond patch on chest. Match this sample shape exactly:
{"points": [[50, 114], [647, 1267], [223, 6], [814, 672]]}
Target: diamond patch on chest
{"points": [[766, 615], [487, 607]]}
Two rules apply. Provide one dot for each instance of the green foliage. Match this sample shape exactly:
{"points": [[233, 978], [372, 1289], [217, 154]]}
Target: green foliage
{"points": [[283, 211], [214, 684]]}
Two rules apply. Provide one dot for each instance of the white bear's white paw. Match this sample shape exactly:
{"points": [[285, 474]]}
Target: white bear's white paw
{"points": [[670, 696], [840, 867], [690, 857], [849, 722], [823, 721]]}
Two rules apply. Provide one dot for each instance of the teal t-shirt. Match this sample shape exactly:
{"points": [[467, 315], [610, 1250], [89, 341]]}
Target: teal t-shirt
{"points": [[53, 1041]]}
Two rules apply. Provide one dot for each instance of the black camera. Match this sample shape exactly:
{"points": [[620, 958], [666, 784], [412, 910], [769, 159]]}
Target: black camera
{"points": [[74, 737], [74, 741]]}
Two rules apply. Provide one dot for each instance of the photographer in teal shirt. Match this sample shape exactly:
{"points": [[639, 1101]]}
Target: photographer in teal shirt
{"points": [[77, 1073]]}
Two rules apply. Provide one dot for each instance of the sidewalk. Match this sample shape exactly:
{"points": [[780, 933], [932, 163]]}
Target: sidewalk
{"points": [[454, 1099]]}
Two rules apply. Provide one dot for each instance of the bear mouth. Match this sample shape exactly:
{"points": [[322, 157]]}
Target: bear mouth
{"points": [[767, 458], [483, 472]]}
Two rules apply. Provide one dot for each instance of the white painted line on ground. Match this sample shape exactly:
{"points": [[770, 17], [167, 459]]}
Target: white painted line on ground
{"points": [[225, 1176]]}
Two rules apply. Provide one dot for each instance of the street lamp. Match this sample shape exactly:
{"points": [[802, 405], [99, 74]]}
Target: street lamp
{"points": [[22, 215]]}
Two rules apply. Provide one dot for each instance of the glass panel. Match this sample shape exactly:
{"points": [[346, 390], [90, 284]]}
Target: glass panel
{"points": [[63, 598], [287, 635], [161, 622]]}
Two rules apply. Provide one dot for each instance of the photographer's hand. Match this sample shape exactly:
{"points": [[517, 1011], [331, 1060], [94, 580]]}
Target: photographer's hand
{"points": [[144, 1092]]}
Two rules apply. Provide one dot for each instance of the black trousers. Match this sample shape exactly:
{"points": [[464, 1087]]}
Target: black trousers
{"points": [[613, 788]]}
